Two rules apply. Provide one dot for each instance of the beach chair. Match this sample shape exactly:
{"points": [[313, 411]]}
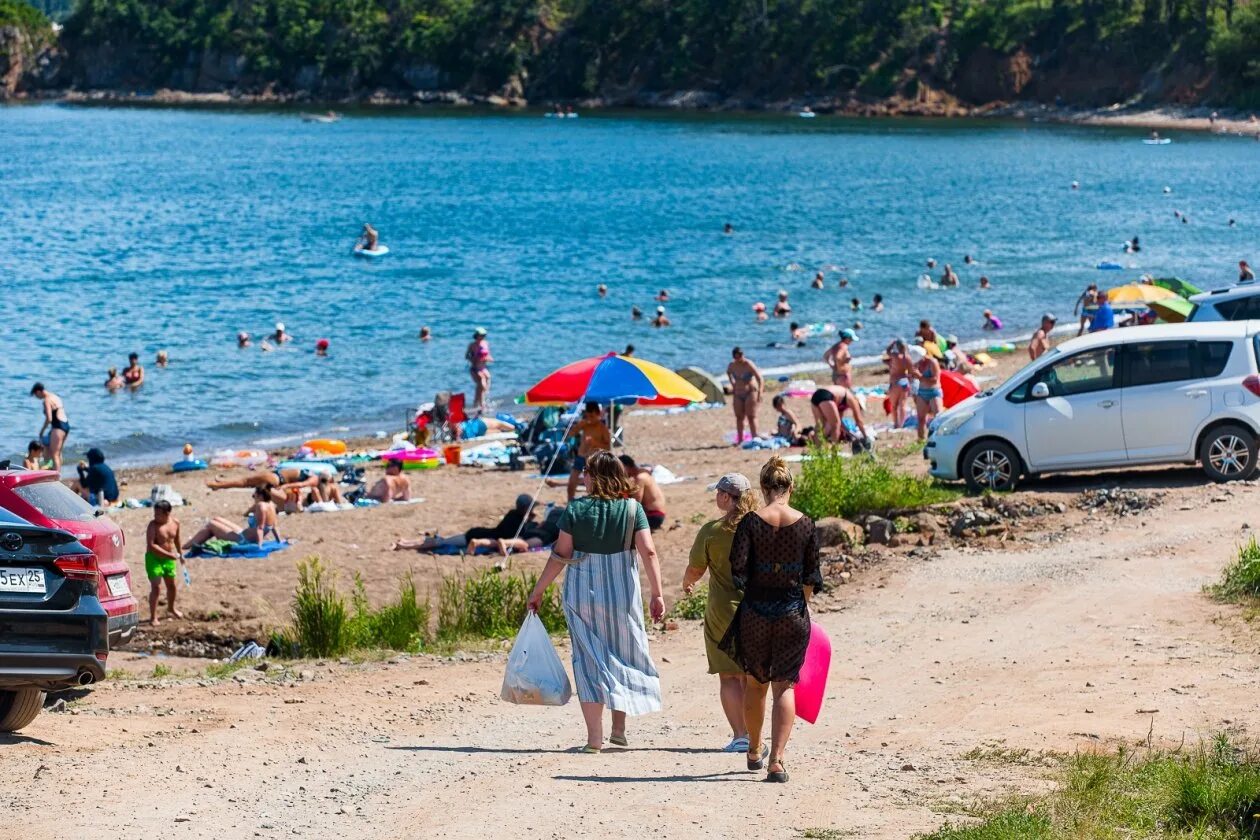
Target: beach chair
{"points": [[447, 411]]}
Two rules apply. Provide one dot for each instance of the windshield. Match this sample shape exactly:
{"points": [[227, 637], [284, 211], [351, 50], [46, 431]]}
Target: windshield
{"points": [[56, 501]]}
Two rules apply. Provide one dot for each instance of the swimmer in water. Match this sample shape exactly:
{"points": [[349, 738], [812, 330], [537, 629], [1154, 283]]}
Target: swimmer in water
{"points": [[243, 339], [931, 263], [661, 319], [368, 239], [855, 305], [760, 309], [133, 373], [818, 281], [984, 282], [629, 350], [949, 277], [782, 308], [603, 290], [1154, 135], [163, 359], [321, 347], [878, 303], [844, 282], [426, 334], [991, 321], [114, 381], [728, 228], [636, 314], [1076, 185], [662, 296], [967, 260], [280, 336]]}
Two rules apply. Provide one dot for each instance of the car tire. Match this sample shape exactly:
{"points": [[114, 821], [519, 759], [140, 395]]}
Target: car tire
{"points": [[991, 465], [1228, 453], [18, 707]]}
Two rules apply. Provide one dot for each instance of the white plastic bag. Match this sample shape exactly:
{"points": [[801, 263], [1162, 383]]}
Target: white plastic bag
{"points": [[535, 676]]}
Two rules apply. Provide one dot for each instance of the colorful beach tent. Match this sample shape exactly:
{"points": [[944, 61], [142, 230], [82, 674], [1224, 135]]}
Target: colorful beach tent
{"points": [[614, 379], [1177, 286], [1137, 295], [1174, 310]]}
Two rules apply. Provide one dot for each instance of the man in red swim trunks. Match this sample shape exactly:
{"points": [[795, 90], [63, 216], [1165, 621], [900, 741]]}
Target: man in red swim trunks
{"points": [[647, 492]]}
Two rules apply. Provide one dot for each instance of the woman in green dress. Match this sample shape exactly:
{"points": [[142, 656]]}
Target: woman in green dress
{"points": [[602, 538], [711, 553]]}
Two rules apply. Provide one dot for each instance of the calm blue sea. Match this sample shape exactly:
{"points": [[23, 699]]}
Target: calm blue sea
{"points": [[141, 229]]}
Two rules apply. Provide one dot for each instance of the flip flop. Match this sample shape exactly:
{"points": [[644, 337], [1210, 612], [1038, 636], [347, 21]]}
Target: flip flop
{"points": [[587, 749], [619, 740]]}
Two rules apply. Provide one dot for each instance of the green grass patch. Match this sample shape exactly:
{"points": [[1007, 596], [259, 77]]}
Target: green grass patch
{"points": [[491, 605], [1210, 792], [161, 670], [402, 624], [832, 484], [223, 670], [692, 607], [1240, 582]]}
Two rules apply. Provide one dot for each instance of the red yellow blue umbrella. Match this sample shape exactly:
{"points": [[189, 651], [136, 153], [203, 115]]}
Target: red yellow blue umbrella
{"points": [[614, 379]]}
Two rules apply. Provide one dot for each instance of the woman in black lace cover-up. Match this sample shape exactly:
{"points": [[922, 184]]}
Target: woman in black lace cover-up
{"points": [[774, 560]]}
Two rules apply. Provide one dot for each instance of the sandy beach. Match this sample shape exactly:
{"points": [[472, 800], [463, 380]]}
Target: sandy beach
{"points": [[961, 669]]}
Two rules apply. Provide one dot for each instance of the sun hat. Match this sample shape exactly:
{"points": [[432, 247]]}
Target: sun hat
{"points": [[916, 353], [732, 484], [951, 339], [849, 334], [479, 332], [279, 326], [660, 310]]}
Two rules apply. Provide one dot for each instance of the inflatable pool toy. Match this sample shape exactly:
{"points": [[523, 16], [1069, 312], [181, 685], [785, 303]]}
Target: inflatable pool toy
{"points": [[933, 350], [310, 467], [806, 115], [1162, 141], [421, 458], [378, 251], [816, 329], [238, 458], [926, 282], [325, 446], [983, 359], [1002, 347], [812, 685], [188, 465], [1109, 266]]}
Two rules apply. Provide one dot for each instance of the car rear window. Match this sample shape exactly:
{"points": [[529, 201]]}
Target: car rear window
{"points": [[56, 501], [1213, 356], [1240, 309], [1149, 363]]}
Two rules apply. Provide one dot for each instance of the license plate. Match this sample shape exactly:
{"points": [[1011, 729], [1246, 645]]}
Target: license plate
{"points": [[22, 580], [118, 585]]}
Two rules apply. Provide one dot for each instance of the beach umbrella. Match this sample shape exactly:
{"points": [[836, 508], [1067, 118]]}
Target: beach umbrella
{"points": [[1177, 286], [955, 388], [1138, 294], [1173, 310], [614, 379]]}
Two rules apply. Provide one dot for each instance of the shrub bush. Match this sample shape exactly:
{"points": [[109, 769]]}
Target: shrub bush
{"points": [[492, 606], [1241, 579], [692, 607], [319, 612], [831, 484]]}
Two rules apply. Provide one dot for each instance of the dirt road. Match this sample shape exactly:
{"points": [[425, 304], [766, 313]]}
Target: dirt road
{"points": [[1095, 635]]}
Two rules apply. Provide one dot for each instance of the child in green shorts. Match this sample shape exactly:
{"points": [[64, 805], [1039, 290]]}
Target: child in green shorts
{"points": [[161, 551]]}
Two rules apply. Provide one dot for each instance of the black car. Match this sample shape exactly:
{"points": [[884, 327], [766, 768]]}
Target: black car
{"points": [[54, 633]]}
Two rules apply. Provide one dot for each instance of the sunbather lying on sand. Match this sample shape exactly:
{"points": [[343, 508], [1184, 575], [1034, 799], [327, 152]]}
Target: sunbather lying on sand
{"points": [[261, 522], [475, 427], [517, 524]]}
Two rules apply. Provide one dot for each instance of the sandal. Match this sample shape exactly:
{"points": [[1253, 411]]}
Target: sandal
{"points": [[781, 776], [619, 740], [587, 749], [760, 761]]}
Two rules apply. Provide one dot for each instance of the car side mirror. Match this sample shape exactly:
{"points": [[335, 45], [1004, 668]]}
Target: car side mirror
{"points": [[1040, 391]]}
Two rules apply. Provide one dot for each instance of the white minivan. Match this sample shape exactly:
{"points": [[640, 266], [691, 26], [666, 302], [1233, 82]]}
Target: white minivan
{"points": [[1168, 393]]}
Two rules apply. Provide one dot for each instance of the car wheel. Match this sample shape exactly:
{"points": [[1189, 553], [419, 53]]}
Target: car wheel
{"points": [[991, 465], [19, 707], [1229, 454]]}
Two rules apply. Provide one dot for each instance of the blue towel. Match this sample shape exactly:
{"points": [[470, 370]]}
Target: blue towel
{"points": [[244, 550]]}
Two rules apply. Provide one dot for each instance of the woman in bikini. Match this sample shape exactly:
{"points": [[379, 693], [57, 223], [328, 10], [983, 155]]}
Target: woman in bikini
{"points": [[927, 400], [830, 403], [55, 422], [133, 373], [261, 522], [747, 387], [899, 372]]}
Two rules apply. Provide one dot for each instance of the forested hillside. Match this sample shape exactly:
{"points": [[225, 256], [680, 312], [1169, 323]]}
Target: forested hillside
{"points": [[1086, 52]]}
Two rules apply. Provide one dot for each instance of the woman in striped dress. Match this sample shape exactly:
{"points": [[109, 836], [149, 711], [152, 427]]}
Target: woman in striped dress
{"points": [[601, 538]]}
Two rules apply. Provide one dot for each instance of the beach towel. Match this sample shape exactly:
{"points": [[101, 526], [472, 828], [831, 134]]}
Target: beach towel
{"points": [[223, 548]]}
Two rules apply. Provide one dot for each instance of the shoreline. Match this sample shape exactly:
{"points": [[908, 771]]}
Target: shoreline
{"points": [[1199, 118]]}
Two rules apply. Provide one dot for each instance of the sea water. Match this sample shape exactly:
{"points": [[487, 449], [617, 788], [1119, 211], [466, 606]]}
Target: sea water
{"points": [[139, 229]]}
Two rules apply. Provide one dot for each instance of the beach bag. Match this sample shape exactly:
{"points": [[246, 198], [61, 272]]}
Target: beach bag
{"points": [[535, 675]]}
